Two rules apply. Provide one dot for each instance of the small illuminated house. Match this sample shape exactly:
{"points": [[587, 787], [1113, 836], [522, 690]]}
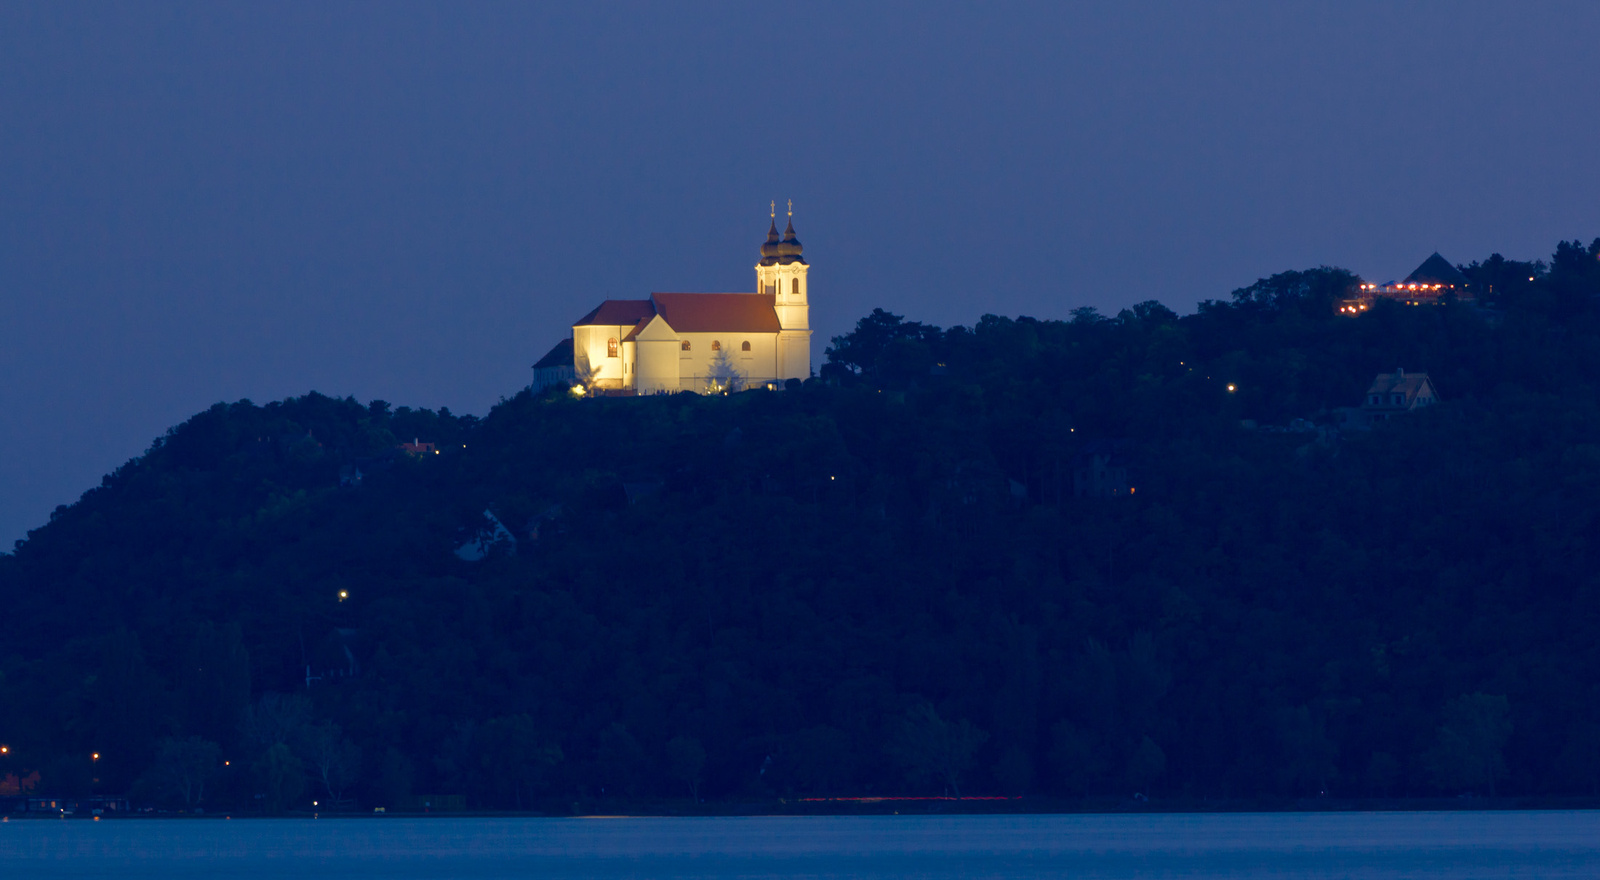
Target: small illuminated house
{"points": [[703, 342], [1429, 284], [417, 448], [1392, 394]]}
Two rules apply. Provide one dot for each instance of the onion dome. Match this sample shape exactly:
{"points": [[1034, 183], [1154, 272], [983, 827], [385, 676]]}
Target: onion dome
{"points": [[770, 249], [790, 246]]}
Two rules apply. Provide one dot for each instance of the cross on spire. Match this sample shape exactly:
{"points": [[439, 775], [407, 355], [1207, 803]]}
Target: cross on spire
{"points": [[774, 206], [791, 207]]}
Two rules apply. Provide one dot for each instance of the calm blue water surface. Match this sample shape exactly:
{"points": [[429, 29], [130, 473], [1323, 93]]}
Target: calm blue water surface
{"points": [[1293, 845]]}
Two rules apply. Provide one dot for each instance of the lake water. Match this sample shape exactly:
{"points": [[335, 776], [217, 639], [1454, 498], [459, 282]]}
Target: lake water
{"points": [[1278, 845]]}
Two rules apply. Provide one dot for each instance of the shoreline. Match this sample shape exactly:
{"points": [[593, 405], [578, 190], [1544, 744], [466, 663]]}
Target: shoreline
{"points": [[1021, 806]]}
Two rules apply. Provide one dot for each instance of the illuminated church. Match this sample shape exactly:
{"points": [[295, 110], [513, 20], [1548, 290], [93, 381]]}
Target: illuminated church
{"points": [[703, 342]]}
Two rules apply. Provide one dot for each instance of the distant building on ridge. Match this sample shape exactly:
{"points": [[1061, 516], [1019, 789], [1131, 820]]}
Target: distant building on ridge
{"points": [[1429, 284], [702, 342]]}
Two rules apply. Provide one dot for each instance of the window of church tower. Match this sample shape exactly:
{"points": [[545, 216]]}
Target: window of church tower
{"points": [[715, 345], [611, 347], [794, 286], [744, 346], [686, 345]]}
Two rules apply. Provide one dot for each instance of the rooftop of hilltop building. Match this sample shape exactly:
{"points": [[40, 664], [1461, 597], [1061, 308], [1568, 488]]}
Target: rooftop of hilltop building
{"points": [[1437, 271]]}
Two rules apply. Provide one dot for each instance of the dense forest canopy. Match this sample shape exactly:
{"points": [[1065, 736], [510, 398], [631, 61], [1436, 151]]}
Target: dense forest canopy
{"points": [[878, 582]]}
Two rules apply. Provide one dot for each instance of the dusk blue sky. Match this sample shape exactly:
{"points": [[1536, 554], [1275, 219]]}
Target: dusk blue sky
{"points": [[414, 201]]}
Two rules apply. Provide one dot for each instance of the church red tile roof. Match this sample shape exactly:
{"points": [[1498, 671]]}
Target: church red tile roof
{"points": [[634, 333], [691, 312], [709, 312]]}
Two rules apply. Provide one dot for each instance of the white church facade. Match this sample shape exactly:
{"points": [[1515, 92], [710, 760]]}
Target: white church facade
{"points": [[702, 342]]}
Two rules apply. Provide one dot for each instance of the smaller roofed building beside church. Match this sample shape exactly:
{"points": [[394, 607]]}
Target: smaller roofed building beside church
{"points": [[1430, 284], [555, 368], [702, 342]]}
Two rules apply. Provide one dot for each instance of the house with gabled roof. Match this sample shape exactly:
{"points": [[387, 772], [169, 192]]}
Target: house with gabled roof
{"points": [[1392, 394], [703, 342]]}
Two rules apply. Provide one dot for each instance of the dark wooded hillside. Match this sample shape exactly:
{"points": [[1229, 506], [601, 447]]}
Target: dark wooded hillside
{"points": [[879, 582]]}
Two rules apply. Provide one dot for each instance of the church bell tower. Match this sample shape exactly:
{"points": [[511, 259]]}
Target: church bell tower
{"points": [[781, 274]]}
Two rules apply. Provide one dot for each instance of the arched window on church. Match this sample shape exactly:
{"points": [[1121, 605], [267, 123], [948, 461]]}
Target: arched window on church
{"points": [[794, 286], [744, 346], [611, 347], [715, 345], [686, 345]]}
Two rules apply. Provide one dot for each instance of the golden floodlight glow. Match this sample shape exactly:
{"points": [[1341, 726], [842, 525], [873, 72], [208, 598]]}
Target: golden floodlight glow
{"points": [[343, 595], [1231, 388], [577, 391], [5, 750], [95, 756]]}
